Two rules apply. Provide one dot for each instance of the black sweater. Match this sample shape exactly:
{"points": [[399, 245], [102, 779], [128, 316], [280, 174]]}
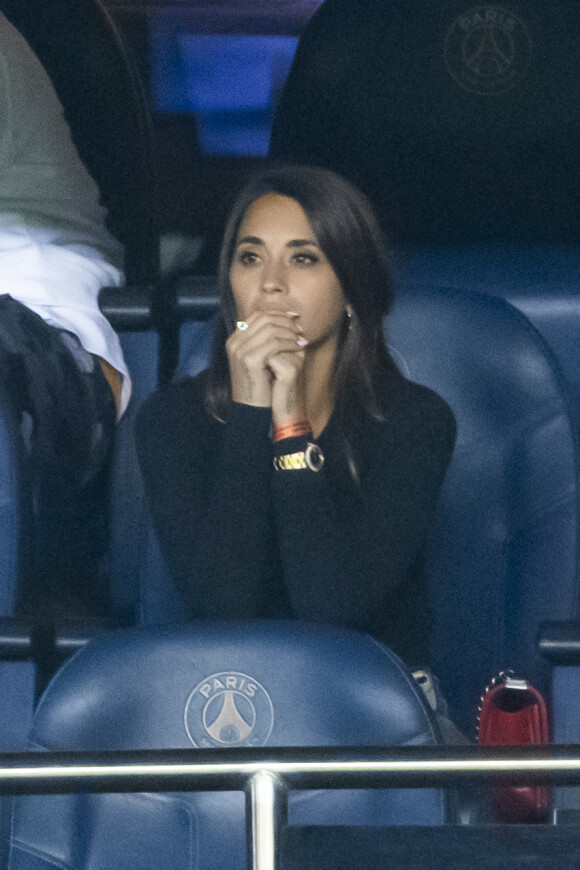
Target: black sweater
{"points": [[245, 541]]}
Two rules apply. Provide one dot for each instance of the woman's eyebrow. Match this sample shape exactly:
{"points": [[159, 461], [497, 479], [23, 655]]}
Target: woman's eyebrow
{"points": [[250, 240], [294, 243], [299, 243]]}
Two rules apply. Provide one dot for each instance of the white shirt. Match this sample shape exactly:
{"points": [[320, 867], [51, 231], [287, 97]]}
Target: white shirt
{"points": [[55, 250]]}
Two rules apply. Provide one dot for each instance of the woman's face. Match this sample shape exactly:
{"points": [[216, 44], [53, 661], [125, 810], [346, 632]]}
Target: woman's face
{"points": [[278, 266]]}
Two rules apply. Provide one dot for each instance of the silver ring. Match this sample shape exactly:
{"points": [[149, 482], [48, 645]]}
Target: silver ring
{"points": [[241, 325]]}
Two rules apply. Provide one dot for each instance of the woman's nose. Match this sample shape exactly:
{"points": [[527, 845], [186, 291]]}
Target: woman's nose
{"points": [[273, 278]]}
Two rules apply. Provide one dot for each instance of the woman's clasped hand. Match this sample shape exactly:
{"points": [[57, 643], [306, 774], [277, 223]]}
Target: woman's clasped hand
{"points": [[265, 360]]}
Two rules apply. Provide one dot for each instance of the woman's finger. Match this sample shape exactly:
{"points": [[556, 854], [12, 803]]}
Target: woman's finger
{"points": [[265, 336], [286, 364]]}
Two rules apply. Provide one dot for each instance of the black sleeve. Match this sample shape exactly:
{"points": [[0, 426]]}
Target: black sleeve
{"points": [[346, 548], [208, 486]]}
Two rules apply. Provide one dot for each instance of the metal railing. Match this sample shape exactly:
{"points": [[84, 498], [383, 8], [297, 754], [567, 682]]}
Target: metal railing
{"points": [[266, 775]]}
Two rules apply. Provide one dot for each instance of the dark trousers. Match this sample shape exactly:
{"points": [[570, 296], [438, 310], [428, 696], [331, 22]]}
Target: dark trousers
{"points": [[63, 418]]}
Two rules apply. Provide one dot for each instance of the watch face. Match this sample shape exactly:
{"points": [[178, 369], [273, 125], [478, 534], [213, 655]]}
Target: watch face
{"points": [[314, 457]]}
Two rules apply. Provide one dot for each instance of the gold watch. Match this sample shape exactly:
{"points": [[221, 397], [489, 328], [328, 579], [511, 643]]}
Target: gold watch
{"points": [[311, 458]]}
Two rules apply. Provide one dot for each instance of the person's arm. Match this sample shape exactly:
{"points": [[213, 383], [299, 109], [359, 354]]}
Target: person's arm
{"points": [[208, 486], [344, 549], [115, 382]]}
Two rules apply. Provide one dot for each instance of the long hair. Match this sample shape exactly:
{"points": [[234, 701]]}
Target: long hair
{"points": [[350, 237]]}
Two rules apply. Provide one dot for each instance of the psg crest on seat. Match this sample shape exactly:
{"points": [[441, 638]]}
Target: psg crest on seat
{"points": [[229, 709], [487, 50]]}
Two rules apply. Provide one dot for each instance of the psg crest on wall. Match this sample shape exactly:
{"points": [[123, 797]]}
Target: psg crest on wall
{"points": [[488, 50]]}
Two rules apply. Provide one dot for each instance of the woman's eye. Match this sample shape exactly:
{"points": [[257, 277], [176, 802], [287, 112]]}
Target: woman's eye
{"points": [[305, 259], [248, 258]]}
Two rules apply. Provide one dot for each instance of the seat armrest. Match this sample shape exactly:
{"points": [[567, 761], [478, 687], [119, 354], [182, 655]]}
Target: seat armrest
{"points": [[559, 642], [47, 645], [137, 308], [128, 308], [196, 297], [16, 639]]}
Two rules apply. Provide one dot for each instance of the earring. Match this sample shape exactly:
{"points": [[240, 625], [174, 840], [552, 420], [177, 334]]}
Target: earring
{"points": [[348, 312]]}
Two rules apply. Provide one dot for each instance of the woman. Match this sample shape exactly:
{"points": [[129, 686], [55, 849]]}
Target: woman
{"points": [[296, 477]]}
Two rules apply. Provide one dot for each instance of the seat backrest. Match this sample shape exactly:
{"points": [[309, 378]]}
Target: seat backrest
{"points": [[142, 591], [216, 685], [460, 120], [17, 678], [95, 78], [540, 280], [142, 587], [129, 523], [504, 553]]}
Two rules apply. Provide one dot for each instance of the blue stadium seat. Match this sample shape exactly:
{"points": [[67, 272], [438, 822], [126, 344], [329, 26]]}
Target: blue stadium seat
{"points": [[140, 577], [540, 280], [506, 533], [17, 678], [8, 514], [215, 685], [129, 518]]}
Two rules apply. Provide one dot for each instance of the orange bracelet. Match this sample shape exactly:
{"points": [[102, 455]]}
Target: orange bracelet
{"points": [[291, 430]]}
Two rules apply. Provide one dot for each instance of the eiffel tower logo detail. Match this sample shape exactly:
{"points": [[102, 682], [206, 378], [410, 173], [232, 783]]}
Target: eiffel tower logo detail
{"points": [[229, 727], [494, 53]]}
